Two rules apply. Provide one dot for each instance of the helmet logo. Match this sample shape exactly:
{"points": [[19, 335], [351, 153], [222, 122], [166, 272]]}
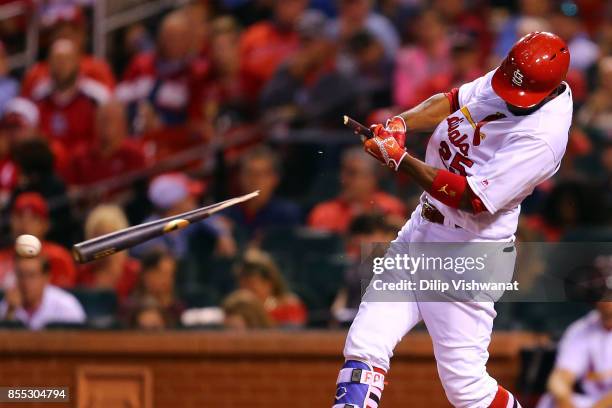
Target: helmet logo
{"points": [[517, 78]]}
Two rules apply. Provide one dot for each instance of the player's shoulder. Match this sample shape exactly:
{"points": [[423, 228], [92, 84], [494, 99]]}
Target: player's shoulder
{"points": [[477, 91], [558, 112], [551, 123]]}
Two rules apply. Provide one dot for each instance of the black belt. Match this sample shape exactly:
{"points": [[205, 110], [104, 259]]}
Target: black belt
{"points": [[432, 214]]}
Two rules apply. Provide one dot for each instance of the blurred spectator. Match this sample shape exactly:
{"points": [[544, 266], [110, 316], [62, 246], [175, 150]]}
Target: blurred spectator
{"points": [[30, 215], [464, 67], [8, 169], [596, 114], [157, 281], [20, 119], [9, 87], [309, 89], [359, 195], [399, 13], [364, 234], [357, 15], [260, 170], [265, 45], [35, 161], [527, 25], [68, 101], [258, 273], [606, 163], [35, 302], [20, 122], [584, 360], [67, 22], [571, 204], [567, 25], [163, 88], [605, 37], [372, 67], [425, 66], [175, 193], [199, 15], [471, 19], [137, 40], [509, 32], [117, 271], [225, 89], [465, 61], [243, 311], [112, 155], [148, 315]]}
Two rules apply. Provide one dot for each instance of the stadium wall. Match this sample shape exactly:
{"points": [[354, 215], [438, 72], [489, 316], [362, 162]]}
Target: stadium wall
{"points": [[191, 369]]}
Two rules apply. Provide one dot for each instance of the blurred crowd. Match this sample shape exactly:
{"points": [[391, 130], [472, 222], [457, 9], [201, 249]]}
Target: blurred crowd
{"points": [[219, 98]]}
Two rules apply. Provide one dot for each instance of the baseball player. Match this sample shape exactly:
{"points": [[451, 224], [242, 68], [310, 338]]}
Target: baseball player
{"points": [[494, 140]]}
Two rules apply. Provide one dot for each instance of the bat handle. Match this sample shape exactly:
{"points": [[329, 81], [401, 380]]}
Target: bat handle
{"points": [[358, 128]]}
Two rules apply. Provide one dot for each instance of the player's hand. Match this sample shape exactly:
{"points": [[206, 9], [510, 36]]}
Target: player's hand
{"points": [[395, 127], [386, 149], [388, 142]]}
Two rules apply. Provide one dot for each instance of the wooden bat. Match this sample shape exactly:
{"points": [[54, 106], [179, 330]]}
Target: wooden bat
{"points": [[358, 128], [109, 244]]}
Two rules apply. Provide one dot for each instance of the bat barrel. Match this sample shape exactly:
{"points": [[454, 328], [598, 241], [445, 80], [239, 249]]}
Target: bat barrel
{"points": [[109, 244], [117, 241]]}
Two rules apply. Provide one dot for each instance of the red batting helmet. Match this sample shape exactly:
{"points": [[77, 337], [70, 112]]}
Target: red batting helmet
{"points": [[534, 67]]}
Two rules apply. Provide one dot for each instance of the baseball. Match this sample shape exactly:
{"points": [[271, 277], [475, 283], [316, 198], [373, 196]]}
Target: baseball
{"points": [[27, 246]]}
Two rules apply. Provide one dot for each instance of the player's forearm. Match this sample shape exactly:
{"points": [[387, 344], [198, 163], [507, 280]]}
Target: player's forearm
{"points": [[424, 175], [428, 114]]}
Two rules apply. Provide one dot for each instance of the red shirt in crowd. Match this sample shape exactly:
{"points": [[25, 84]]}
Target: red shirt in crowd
{"points": [[8, 179], [90, 67], [70, 122], [263, 47], [62, 271], [336, 215], [125, 284], [290, 312], [90, 166]]}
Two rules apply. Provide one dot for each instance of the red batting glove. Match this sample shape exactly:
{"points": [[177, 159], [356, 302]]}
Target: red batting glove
{"points": [[386, 149], [395, 127], [388, 142]]}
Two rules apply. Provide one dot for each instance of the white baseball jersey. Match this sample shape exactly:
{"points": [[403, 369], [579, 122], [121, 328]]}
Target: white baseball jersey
{"points": [[503, 156], [586, 351]]}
